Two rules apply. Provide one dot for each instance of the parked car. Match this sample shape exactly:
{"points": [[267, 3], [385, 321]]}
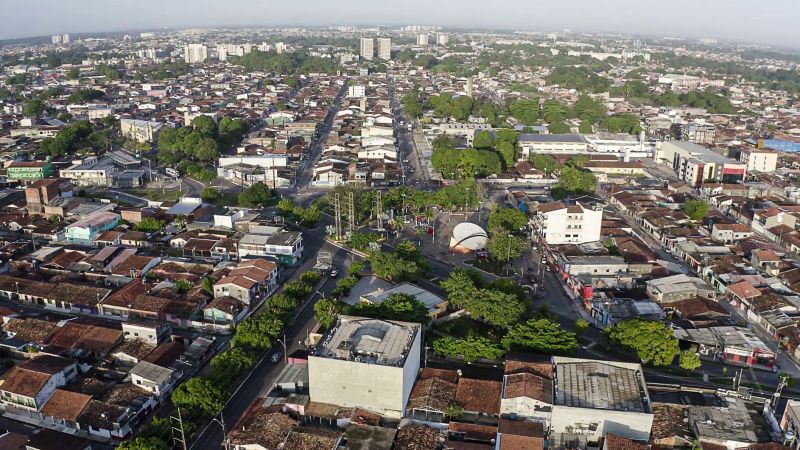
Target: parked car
{"points": [[334, 272], [276, 356]]}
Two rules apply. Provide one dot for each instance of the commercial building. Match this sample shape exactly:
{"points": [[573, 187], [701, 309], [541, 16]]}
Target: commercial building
{"points": [[90, 172], [559, 224], [26, 171], [759, 160], [622, 145], [367, 363], [195, 53], [552, 144], [140, 130], [696, 164], [595, 398], [367, 48], [385, 48], [86, 230]]}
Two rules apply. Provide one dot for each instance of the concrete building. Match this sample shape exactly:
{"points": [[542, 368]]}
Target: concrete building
{"points": [[140, 130], [357, 91], [698, 132], [367, 363], [91, 172], [696, 164], [367, 48], [195, 53], [442, 38], [678, 287], [151, 377], [84, 231], [790, 423], [65, 39], [552, 144], [759, 160], [422, 39], [559, 224], [385, 48], [622, 145], [595, 398]]}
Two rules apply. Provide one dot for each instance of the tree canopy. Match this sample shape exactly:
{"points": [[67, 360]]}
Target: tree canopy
{"points": [[653, 342], [505, 247], [256, 195], [405, 263], [471, 348], [574, 181], [696, 209], [507, 219], [541, 336]]}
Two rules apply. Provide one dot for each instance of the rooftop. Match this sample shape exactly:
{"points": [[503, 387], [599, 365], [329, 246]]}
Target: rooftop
{"points": [[151, 372], [592, 384], [371, 341]]}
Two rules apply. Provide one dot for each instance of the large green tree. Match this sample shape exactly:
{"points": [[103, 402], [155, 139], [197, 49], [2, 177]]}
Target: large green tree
{"points": [[507, 219], [527, 111], [574, 181], [33, 108], [497, 308], [256, 195], [471, 348], [483, 140], [505, 247], [545, 163], [690, 361], [696, 209], [199, 394], [142, 443], [541, 336], [461, 287], [653, 342]]}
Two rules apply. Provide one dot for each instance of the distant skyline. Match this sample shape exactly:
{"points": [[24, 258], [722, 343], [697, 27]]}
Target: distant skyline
{"points": [[771, 22]]}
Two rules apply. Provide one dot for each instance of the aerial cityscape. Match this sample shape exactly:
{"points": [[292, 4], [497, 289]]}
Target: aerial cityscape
{"points": [[402, 231]]}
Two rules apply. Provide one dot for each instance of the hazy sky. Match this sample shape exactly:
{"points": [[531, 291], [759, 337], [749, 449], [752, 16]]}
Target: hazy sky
{"points": [[760, 21]]}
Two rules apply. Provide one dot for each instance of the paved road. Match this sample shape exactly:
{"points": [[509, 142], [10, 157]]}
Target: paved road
{"points": [[264, 373]]}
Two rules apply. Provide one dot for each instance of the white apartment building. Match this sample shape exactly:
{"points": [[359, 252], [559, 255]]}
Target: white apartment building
{"points": [[552, 144], [195, 53], [442, 38], [385, 48], [622, 145], [367, 48], [367, 363], [559, 224], [759, 160], [422, 39], [357, 91], [90, 172]]}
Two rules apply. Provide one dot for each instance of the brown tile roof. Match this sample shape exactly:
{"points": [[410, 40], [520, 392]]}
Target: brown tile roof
{"points": [[529, 385], [226, 304], [31, 330], [262, 426], [766, 255], [743, 289], [123, 394], [47, 364], [518, 364], [521, 428], [100, 415], [614, 442], [127, 294], [514, 442], [66, 404], [550, 207], [312, 438], [445, 374], [479, 395], [24, 382], [136, 348], [435, 393], [474, 431], [666, 418], [417, 437], [698, 306], [93, 338], [165, 354]]}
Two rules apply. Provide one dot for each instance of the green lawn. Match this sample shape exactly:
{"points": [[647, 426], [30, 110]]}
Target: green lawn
{"points": [[157, 195]]}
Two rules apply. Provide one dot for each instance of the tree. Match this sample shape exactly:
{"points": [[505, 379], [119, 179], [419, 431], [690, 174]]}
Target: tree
{"points": [[404, 264], [544, 163], [574, 181], [199, 394], [74, 73], [412, 104], [483, 140], [33, 108], [326, 310], [471, 348], [697, 209], [581, 326], [150, 225], [507, 219], [497, 308], [527, 111], [356, 269], [257, 332], [361, 240], [690, 361], [210, 194], [653, 342], [208, 285], [541, 336], [144, 443], [294, 83], [461, 287], [205, 125], [206, 149], [403, 307], [183, 286], [505, 247], [256, 195]]}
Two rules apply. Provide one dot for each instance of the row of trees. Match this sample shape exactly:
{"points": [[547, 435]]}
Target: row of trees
{"points": [[205, 396], [308, 216], [78, 136], [284, 63]]}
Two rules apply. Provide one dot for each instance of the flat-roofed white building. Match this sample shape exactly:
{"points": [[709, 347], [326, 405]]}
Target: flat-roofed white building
{"points": [[594, 398], [367, 363], [140, 130], [759, 160], [551, 144], [560, 224]]}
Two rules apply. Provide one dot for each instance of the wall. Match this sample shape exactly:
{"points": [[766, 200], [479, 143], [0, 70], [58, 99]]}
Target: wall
{"points": [[630, 425]]}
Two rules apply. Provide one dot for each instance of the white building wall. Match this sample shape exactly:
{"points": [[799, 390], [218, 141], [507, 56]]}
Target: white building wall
{"points": [[629, 425]]}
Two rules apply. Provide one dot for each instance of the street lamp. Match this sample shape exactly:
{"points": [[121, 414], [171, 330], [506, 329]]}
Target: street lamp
{"points": [[283, 342], [221, 422]]}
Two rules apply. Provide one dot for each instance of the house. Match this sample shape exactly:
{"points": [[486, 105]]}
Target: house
{"points": [[736, 345], [134, 239], [152, 377], [224, 310], [250, 280], [678, 287], [152, 332], [47, 439], [730, 232], [86, 230], [766, 261], [31, 384], [285, 246]]}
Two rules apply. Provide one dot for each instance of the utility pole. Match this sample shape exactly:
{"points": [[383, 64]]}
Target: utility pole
{"points": [[379, 210], [351, 213], [179, 420], [285, 349], [337, 210]]}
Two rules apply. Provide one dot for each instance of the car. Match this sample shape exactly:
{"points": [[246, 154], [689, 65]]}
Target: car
{"points": [[276, 356], [334, 272]]}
